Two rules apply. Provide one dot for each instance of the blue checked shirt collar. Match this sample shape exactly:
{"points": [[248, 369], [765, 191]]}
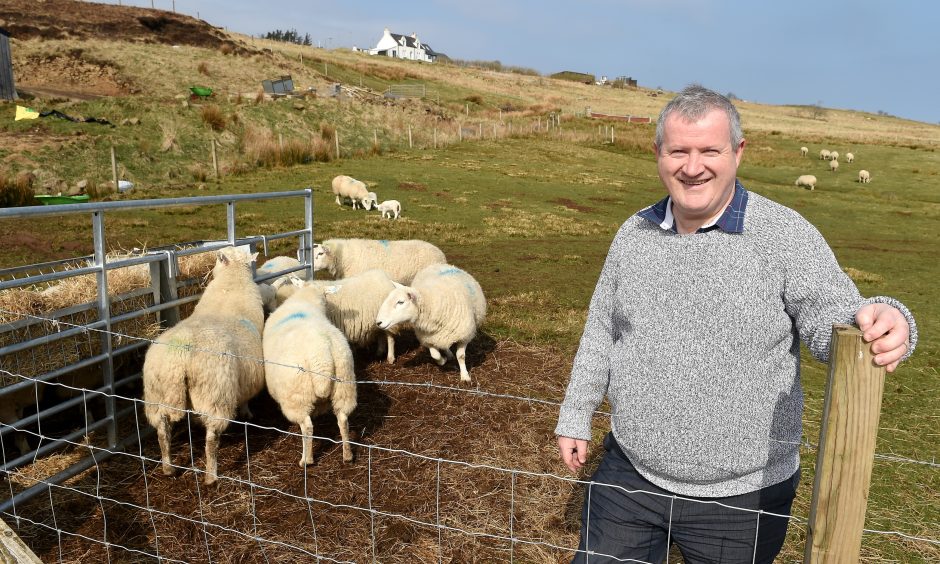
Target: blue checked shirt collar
{"points": [[730, 221]]}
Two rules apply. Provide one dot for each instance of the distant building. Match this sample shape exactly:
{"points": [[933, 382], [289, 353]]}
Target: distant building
{"points": [[403, 47]]}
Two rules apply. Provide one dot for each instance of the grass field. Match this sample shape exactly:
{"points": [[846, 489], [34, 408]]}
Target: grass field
{"points": [[531, 216]]}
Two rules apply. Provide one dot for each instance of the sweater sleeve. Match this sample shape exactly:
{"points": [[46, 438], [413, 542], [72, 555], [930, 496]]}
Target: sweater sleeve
{"points": [[590, 373]]}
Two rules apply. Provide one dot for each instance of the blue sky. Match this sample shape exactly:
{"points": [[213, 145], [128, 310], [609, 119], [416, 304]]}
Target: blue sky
{"points": [[862, 54]]}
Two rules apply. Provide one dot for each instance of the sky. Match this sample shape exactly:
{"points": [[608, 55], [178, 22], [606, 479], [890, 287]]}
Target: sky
{"points": [[869, 55]]}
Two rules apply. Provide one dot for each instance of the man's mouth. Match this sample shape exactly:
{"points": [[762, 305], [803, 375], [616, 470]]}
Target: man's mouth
{"points": [[697, 182]]}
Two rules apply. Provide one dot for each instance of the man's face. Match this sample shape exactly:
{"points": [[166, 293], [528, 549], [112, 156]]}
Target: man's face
{"points": [[698, 165]]}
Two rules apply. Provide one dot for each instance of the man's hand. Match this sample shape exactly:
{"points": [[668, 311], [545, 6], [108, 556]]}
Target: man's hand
{"points": [[887, 330], [573, 452]]}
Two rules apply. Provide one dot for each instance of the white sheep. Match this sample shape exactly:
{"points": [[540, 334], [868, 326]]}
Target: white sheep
{"points": [[370, 201], [834, 155], [833, 165], [804, 151], [309, 367], [824, 154], [348, 187], [343, 258], [849, 157], [390, 207], [211, 361], [445, 305], [864, 176], [807, 180]]}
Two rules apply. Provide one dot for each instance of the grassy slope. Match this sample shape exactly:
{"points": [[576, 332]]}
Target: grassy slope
{"points": [[504, 209]]}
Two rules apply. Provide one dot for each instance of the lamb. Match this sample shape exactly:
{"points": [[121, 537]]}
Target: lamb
{"points": [[806, 180], [804, 151], [834, 156], [833, 165], [210, 361], [348, 187], [849, 157], [307, 362], [864, 176], [390, 207], [824, 154], [445, 305], [402, 260]]}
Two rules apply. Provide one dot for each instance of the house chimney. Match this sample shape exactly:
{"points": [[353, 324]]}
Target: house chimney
{"points": [[414, 35]]}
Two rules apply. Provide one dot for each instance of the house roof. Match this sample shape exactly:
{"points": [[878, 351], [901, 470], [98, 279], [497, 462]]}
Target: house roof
{"points": [[412, 42]]}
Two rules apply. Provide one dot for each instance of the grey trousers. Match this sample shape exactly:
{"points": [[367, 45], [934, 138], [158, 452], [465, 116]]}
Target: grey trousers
{"points": [[617, 526]]}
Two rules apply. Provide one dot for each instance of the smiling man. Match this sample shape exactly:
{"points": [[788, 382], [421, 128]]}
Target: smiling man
{"points": [[693, 334]]}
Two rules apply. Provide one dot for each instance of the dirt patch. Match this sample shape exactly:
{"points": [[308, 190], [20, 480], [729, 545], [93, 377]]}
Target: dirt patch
{"points": [[70, 75], [572, 205], [413, 186]]}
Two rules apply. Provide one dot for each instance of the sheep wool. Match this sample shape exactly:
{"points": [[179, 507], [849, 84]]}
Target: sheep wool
{"points": [[849, 157], [445, 305], [834, 155], [401, 260], [833, 165], [390, 208], [864, 176], [211, 361], [824, 154], [804, 151], [348, 187], [806, 180], [309, 367]]}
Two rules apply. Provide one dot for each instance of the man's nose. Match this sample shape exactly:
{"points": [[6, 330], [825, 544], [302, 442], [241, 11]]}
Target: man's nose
{"points": [[693, 165]]}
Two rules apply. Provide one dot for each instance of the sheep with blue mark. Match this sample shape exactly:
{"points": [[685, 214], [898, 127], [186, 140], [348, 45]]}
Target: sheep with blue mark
{"points": [[309, 366], [348, 187], [445, 306], [211, 361], [275, 291], [401, 260]]}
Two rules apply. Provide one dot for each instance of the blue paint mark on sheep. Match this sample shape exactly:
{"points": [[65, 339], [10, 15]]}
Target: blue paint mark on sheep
{"points": [[292, 317], [249, 325], [450, 270], [384, 243]]}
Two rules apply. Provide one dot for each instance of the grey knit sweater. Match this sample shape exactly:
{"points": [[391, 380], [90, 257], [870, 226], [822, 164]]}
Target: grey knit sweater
{"points": [[695, 341]]}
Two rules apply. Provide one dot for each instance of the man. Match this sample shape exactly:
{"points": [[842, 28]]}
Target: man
{"points": [[693, 334]]}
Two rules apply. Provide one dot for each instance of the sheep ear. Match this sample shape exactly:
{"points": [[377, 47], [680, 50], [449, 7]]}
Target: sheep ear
{"points": [[223, 258], [413, 296], [397, 285], [253, 257]]}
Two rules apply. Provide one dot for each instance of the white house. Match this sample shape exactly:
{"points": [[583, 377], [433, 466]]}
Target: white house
{"points": [[403, 47]]}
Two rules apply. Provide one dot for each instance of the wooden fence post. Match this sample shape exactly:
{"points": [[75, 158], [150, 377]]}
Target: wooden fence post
{"points": [[435, 138], [410, 145], [114, 169], [215, 159], [459, 132], [846, 450], [336, 138]]}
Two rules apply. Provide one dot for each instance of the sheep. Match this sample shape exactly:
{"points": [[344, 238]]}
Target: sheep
{"points": [[864, 176], [849, 157], [824, 154], [445, 305], [370, 201], [280, 264], [807, 180], [390, 207], [348, 187], [307, 362], [210, 361], [833, 165], [804, 151], [834, 156], [11, 411], [400, 259]]}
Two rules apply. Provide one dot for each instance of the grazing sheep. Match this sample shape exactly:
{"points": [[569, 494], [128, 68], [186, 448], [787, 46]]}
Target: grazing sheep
{"points": [[390, 207], [445, 305], [824, 154], [849, 157], [834, 156], [807, 180], [210, 361], [833, 165], [370, 201], [864, 176], [348, 187], [804, 151], [343, 258], [309, 367]]}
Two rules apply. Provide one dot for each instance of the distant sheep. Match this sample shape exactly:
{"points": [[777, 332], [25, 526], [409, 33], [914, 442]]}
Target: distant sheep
{"points": [[348, 187], [824, 154], [833, 165], [309, 367], [343, 258], [806, 180], [390, 207], [849, 157], [210, 361], [445, 306], [864, 176], [834, 156], [804, 151]]}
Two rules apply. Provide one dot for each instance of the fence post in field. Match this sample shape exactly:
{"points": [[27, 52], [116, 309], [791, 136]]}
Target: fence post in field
{"points": [[538, 126], [846, 450], [481, 130], [215, 159], [459, 132], [410, 144], [280, 141], [611, 135], [468, 108], [435, 138], [336, 138], [494, 131], [301, 59], [114, 169]]}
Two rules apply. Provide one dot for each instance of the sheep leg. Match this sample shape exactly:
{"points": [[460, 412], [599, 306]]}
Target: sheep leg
{"points": [[462, 361], [342, 420], [338, 202], [306, 432], [390, 340], [163, 437], [244, 412], [436, 355], [213, 430]]}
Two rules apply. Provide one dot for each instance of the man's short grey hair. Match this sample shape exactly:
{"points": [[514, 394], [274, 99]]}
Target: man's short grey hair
{"points": [[693, 103]]}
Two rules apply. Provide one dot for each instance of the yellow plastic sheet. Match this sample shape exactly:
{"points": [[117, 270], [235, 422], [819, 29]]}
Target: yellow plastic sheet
{"points": [[25, 113]]}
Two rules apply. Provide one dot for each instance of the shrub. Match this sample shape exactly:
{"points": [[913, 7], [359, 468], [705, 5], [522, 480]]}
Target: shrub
{"points": [[227, 49], [327, 131], [322, 150], [259, 96], [18, 191], [199, 172], [474, 99], [213, 117], [203, 68]]}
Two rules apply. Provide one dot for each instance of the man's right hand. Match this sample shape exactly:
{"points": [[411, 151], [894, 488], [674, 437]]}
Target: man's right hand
{"points": [[573, 452]]}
